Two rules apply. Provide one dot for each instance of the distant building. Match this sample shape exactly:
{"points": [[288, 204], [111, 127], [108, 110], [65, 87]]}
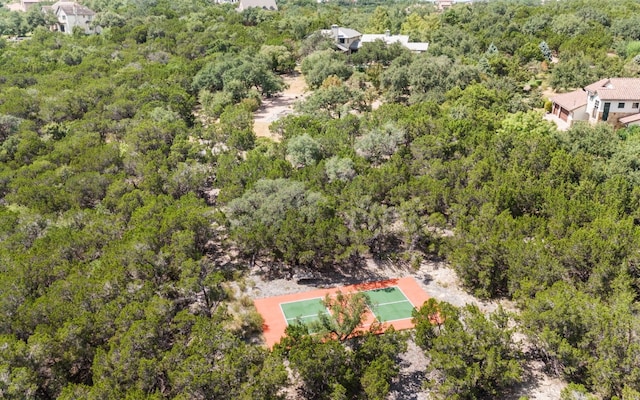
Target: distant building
{"points": [[443, 5], [71, 15], [27, 4], [612, 100], [23, 5], [263, 4], [388, 38], [349, 40]]}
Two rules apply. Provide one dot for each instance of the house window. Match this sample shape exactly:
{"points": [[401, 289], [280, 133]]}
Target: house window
{"points": [[341, 40], [596, 106], [635, 105], [620, 105]]}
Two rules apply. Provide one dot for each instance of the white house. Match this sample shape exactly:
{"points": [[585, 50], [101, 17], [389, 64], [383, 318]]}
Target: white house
{"points": [[388, 38], [443, 5], [349, 40], [614, 100], [71, 15], [264, 4]]}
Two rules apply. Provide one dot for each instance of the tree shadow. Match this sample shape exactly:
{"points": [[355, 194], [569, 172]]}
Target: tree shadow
{"points": [[407, 386]]}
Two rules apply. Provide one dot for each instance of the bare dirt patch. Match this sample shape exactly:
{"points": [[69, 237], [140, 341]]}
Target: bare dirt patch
{"points": [[279, 105]]}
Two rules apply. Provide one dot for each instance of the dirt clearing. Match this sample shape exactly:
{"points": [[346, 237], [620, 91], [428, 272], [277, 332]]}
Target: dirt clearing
{"points": [[279, 105]]}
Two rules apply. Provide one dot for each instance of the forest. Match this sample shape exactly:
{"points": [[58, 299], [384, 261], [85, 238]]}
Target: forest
{"points": [[135, 197]]}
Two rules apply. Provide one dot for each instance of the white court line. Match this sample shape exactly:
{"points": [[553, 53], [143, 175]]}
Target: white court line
{"points": [[304, 316], [294, 301], [392, 302], [283, 314], [389, 287], [405, 296], [299, 301]]}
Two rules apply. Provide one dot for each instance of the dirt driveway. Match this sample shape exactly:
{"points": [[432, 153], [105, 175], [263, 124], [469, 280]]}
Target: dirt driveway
{"points": [[279, 105]]}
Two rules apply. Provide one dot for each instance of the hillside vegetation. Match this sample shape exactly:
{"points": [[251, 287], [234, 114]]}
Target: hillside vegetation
{"points": [[124, 219]]}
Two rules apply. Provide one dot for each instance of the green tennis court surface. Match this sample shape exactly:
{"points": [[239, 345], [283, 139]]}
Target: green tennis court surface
{"points": [[387, 304], [304, 311]]}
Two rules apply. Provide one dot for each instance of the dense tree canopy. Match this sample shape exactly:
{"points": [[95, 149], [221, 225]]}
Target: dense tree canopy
{"points": [[135, 196]]}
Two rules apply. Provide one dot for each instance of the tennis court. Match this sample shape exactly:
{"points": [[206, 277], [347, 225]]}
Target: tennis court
{"points": [[391, 303], [387, 304], [304, 311]]}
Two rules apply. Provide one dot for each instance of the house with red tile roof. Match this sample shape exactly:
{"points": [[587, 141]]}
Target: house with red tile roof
{"points": [[570, 106], [612, 100]]}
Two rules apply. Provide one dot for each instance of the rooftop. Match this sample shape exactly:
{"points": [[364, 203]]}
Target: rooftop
{"points": [[616, 88], [630, 118], [264, 4], [72, 8], [572, 100]]}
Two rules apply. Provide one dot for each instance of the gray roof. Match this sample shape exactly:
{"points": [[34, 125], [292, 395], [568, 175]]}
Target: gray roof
{"points": [[388, 39], [417, 46], [348, 33], [71, 8]]}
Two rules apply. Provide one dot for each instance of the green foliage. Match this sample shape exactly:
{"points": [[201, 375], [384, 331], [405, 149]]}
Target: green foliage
{"points": [[291, 223], [575, 391], [237, 75], [320, 65], [585, 339], [280, 58], [338, 168], [8, 126], [379, 52], [347, 313], [472, 355], [380, 143], [302, 151], [334, 99], [122, 195], [330, 370]]}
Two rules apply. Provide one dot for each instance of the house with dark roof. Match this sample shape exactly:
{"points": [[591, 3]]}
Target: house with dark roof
{"points": [[612, 100], [346, 39], [350, 40], [71, 15]]}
